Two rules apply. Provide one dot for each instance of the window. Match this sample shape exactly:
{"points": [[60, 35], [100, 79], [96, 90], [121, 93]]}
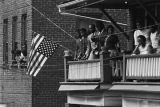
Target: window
{"points": [[5, 41], [24, 34], [14, 36]]}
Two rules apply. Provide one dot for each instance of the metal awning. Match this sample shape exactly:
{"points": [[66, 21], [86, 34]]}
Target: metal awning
{"points": [[77, 87], [108, 4]]}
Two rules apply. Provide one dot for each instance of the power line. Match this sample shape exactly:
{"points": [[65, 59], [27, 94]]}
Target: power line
{"points": [[50, 20]]}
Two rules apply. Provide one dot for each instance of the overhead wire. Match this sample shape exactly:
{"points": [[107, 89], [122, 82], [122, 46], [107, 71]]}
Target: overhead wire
{"points": [[42, 14], [62, 69]]}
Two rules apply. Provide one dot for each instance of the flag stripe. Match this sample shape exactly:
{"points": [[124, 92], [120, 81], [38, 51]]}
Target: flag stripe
{"points": [[36, 65], [37, 42], [44, 60], [33, 44], [35, 59], [41, 50], [32, 59]]}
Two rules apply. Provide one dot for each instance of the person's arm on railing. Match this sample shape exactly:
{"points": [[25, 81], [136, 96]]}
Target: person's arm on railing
{"points": [[136, 50]]}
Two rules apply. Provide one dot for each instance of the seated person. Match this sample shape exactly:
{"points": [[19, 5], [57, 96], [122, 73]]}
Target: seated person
{"points": [[143, 47]]}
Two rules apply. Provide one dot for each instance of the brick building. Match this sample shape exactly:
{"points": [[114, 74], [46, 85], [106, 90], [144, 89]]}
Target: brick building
{"points": [[18, 18], [123, 81]]}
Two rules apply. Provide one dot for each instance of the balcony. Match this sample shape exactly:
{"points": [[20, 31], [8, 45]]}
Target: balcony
{"points": [[103, 70], [124, 68], [143, 67]]}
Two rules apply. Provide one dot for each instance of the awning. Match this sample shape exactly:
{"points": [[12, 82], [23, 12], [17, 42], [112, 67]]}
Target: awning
{"points": [[108, 4], [140, 88], [77, 87]]}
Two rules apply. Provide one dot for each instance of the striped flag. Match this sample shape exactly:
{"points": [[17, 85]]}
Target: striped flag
{"points": [[41, 50]]}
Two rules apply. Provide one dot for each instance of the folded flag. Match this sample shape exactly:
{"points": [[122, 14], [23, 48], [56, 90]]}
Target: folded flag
{"points": [[41, 50]]}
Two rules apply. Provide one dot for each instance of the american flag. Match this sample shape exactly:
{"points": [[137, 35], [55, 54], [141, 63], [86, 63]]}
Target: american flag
{"points": [[41, 50]]}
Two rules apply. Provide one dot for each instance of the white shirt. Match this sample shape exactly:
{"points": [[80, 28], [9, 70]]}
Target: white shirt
{"points": [[144, 32], [144, 50], [136, 34], [154, 39]]}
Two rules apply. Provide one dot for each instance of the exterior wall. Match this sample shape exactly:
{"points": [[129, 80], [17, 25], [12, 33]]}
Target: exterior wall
{"points": [[45, 85], [93, 98], [15, 88], [12, 8], [47, 81], [15, 85], [122, 16], [118, 15], [140, 99]]}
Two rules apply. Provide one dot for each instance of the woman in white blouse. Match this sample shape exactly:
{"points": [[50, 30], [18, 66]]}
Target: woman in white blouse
{"points": [[143, 47]]}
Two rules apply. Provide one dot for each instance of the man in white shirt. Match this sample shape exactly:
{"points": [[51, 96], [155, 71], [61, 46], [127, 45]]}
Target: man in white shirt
{"points": [[141, 31], [154, 37]]}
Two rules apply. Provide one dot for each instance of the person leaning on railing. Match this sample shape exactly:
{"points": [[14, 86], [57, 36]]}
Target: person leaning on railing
{"points": [[81, 44], [96, 40], [92, 45], [143, 46]]}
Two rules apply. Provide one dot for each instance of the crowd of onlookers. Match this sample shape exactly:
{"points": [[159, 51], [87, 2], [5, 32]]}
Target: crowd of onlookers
{"points": [[90, 44]]}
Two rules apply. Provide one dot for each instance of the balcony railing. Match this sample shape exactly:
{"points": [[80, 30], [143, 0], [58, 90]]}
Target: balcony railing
{"points": [[117, 69], [99, 70], [143, 67], [84, 70]]}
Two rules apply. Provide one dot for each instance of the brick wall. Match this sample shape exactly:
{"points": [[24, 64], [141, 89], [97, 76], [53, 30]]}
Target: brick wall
{"points": [[47, 81], [44, 87], [46, 84], [15, 85], [119, 15]]}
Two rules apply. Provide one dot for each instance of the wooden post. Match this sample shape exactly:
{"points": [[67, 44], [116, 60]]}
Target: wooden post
{"points": [[124, 68], [101, 67], [67, 57], [105, 68]]}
